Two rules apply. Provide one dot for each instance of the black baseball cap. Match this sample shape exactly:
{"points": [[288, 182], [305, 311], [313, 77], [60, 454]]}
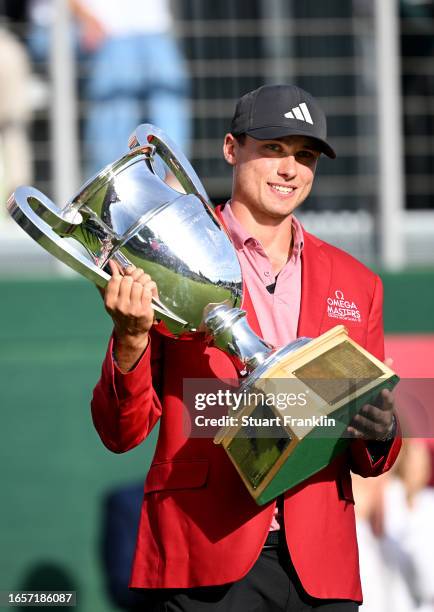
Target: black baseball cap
{"points": [[273, 111]]}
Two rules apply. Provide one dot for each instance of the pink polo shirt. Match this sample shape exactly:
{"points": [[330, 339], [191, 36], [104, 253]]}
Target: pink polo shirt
{"points": [[277, 312]]}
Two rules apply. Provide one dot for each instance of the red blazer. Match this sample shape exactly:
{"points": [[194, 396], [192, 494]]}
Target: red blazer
{"points": [[199, 526]]}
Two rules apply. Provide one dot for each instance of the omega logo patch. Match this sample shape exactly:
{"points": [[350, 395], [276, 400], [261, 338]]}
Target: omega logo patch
{"points": [[340, 308]]}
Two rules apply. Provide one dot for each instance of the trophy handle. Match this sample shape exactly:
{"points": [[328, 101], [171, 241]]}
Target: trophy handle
{"points": [[147, 134], [37, 215], [40, 218]]}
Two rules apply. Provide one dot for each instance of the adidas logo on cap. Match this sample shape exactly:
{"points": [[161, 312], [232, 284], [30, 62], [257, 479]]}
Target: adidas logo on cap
{"points": [[300, 112]]}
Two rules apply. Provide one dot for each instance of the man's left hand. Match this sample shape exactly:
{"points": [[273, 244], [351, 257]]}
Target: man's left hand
{"points": [[374, 422]]}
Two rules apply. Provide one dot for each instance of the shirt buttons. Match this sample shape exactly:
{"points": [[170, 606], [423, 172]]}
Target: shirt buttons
{"points": [[266, 273]]}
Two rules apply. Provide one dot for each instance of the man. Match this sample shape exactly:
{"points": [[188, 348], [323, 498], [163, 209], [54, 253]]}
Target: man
{"points": [[203, 543], [135, 71]]}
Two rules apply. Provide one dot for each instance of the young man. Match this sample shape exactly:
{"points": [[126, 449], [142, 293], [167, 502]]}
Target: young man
{"points": [[203, 543]]}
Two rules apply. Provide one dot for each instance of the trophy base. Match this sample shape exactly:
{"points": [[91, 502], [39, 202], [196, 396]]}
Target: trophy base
{"points": [[276, 445]]}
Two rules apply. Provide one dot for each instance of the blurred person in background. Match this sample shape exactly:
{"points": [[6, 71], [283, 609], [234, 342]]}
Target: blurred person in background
{"points": [[15, 107], [395, 531], [120, 520], [136, 74]]}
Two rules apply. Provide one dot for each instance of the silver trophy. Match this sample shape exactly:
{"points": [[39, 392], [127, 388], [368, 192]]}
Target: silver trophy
{"points": [[149, 209]]}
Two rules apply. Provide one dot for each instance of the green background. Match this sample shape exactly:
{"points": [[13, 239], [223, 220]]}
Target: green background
{"points": [[54, 469]]}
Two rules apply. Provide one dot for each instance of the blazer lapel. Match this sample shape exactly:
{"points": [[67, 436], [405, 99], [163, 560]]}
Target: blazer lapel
{"points": [[247, 305], [316, 271]]}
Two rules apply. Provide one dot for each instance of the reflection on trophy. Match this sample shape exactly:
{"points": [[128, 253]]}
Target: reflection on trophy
{"points": [[130, 213], [149, 209]]}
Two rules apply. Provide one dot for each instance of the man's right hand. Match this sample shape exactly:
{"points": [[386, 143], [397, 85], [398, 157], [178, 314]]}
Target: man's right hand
{"points": [[128, 300]]}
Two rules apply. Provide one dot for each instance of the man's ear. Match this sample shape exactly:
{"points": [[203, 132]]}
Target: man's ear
{"points": [[230, 145]]}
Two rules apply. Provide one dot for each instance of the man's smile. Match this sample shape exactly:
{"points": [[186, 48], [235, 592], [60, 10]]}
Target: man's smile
{"points": [[282, 189]]}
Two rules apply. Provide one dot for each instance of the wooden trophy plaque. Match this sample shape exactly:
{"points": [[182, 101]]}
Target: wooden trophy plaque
{"points": [[277, 443]]}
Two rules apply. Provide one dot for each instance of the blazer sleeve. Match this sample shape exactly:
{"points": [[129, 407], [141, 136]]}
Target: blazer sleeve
{"points": [[126, 406], [361, 460], [375, 331]]}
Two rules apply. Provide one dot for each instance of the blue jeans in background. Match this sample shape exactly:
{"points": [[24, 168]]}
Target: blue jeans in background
{"points": [[132, 80]]}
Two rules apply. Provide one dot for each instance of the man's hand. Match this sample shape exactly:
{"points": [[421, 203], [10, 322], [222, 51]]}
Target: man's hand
{"points": [[128, 300], [92, 31], [374, 422]]}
